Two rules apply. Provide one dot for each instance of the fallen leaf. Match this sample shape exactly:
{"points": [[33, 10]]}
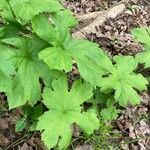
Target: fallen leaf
{"points": [[3, 123], [84, 147], [3, 140], [25, 147]]}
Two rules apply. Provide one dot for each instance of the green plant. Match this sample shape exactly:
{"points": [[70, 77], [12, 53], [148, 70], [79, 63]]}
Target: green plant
{"points": [[64, 109], [37, 51], [143, 36], [123, 80]]}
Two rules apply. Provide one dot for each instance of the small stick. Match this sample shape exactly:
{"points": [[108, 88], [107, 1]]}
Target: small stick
{"points": [[111, 13]]}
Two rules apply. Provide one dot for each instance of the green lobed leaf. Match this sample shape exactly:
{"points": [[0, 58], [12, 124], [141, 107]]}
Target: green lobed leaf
{"points": [[64, 109], [142, 34], [24, 10], [110, 113], [25, 85], [124, 81], [91, 60], [144, 58]]}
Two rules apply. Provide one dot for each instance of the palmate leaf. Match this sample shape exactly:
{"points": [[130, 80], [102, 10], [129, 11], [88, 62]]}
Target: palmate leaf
{"points": [[25, 84], [123, 80], [24, 10], [64, 109], [88, 56], [143, 35]]}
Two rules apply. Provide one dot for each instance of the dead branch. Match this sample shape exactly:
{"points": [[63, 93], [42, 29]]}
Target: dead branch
{"points": [[89, 15], [99, 20]]}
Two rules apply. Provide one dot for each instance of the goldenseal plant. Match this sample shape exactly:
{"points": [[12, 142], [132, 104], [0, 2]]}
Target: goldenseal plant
{"points": [[36, 54]]}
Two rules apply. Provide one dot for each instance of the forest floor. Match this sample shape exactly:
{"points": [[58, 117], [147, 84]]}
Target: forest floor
{"points": [[131, 131]]}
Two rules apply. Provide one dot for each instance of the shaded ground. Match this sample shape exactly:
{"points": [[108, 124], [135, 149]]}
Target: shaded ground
{"points": [[133, 125]]}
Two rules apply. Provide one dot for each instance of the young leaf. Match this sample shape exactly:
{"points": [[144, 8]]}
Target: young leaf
{"points": [[123, 80], [64, 109], [110, 113], [24, 10]]}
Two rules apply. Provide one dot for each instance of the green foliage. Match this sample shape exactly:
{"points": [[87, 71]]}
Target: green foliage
{"points": [[64, 109], [110, 113], [6, 69], [123, 80], [30, 118], [24, 10], [25, 84], [104, 105], [37, 52], [143, 36], [65, 49]]}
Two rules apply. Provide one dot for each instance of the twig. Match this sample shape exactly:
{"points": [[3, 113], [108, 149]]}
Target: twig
{"points": [[111, 13], [18, 142], [89, 15]]}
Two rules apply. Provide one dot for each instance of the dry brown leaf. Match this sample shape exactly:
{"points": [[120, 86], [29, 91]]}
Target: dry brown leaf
{"points": [[84, 147], [25, 147], [75, 130], [3, 140], [3, 123]]}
